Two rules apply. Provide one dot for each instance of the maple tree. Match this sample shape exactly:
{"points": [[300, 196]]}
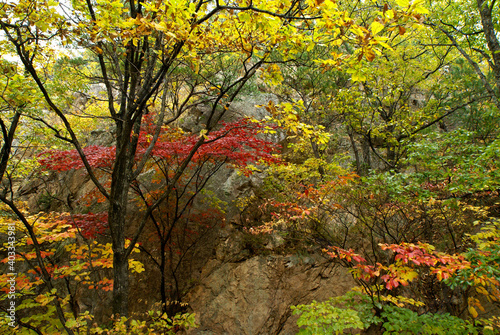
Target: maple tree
{"points": [[412, 261], [235, 145], [178, 225]]}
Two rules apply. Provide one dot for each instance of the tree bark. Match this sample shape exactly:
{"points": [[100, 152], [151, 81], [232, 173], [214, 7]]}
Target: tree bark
{"points": [[491, 37]]}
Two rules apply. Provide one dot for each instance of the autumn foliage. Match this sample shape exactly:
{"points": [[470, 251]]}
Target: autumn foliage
{"points": [[400, 273], [236, 143], [389, 112]]}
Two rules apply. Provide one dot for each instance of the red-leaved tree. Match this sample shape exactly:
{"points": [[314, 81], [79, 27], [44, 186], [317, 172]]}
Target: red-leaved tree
{"points": [[176, 226]]}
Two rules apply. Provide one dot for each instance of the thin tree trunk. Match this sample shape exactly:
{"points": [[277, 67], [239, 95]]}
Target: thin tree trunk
{"points": [[366, 165], [163, 288]]}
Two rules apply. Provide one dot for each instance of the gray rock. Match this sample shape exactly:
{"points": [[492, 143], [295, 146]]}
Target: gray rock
{"points": [[254, 296]]}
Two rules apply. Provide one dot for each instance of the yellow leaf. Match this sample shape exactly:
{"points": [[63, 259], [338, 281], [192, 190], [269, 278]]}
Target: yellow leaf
{"points": [[162, 26], [376, 27], [403, 3], [481, 290], [419, 8], [409, 276], [385, 45], [473, 312]]}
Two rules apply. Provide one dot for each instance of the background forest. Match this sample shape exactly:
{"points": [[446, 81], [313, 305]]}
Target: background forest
{"points": [[372, 140]]}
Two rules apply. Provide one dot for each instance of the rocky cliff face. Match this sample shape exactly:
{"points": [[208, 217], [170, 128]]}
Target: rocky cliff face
{"points": [[253, 295]]}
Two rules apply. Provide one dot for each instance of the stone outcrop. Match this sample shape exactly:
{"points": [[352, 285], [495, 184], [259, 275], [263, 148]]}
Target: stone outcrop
{"points": [[242, 294]]}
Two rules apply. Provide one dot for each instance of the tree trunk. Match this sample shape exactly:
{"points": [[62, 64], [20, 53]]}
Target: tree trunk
{"points": [[163, 288], [491, 36], [117, 214], [120, 282], [366, 165], [355, 150]]}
